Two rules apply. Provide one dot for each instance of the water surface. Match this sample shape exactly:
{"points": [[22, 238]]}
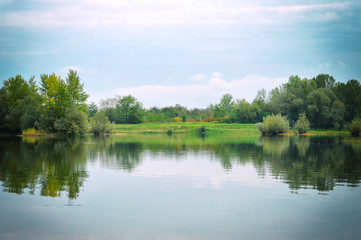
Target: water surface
{"points": [[180, 187]]}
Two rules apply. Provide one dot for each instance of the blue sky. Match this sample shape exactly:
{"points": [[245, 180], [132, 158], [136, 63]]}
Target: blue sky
{"points": [[180, 51]]}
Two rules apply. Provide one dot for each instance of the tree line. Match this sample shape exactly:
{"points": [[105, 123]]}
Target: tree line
{"points": [[326, 103], [57, 105]]}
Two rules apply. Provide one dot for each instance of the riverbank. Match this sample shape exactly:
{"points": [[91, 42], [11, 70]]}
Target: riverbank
{"points": [[192, 127]]}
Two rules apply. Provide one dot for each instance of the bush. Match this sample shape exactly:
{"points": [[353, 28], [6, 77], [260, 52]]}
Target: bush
{"points": [[74, 123], [302, 125], [202, 131], [31, 132], [177, 119], [100, 124], [355, 127], [260, 128], [274, 125], [212, 119]]}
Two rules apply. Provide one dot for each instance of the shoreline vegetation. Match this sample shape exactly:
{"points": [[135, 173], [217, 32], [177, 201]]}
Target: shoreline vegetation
{"points": [[193, 128], [56, 107]]}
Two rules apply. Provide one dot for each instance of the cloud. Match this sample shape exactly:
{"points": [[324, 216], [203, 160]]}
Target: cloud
{"points": [[198, 77], [201, 95], [217, 74], [156, 13]]}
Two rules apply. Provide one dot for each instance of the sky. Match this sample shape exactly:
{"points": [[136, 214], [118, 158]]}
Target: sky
{"points": [[165, 52]]}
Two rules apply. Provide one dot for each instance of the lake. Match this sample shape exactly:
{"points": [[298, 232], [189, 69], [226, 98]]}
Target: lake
{"points": [[180, 187]]}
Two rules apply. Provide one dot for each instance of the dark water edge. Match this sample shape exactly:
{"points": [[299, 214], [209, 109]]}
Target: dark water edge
{"points": [[180, 187]]}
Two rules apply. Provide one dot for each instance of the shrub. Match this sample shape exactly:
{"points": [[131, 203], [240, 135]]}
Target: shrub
{"points": [[177, 119], [302, 125], [31, 132], [355, 127], [202, 131], [75, 122], [274, 125], [100, 124], [260, 128], [211, 119]]}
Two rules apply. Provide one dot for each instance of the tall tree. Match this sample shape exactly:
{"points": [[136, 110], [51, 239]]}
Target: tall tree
{"points": [[350, 95], [18, 97], [76, 91], [130, 110], [324, 81], [224, 108]]}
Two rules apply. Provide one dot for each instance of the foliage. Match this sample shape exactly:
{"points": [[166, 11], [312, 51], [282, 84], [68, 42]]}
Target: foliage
{"points": [[324, 81], [74, 122], [75, 91], [125, 109], [177, 119], [302, 125], [244, 112], [274, 125], [355, 127], [201, 131], [212, 119], [92, 110], [31, 132], [350, 95], [59, 95], [224, 108], [327, 103], [100, 124], [324, 109], [20, 104]]}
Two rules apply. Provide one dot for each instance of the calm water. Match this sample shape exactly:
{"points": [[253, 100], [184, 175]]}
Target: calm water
{"points": [[180, 187]]}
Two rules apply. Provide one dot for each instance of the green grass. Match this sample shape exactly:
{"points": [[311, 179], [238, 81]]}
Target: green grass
{"points": [[191, 127], [187, 127]]}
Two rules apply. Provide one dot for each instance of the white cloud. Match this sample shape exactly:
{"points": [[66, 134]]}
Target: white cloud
{"points": [[199, 77], [128, 14], [201, 95], [199, 176], [217, 74]]}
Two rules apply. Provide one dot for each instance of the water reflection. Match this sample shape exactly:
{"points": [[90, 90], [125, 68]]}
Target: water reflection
{"points": [[59, 167], [53, 167]]}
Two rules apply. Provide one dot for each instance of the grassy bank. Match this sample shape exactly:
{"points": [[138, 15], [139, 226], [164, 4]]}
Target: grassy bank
{"points": [[191, 127]]}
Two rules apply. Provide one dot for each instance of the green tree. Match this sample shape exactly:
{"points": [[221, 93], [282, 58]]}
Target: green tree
{"points": [[100, 124], [322, 107], [59, 95], [243, 112], [92, 110], [302, 125], [224, 108], [274, 125], [350, 95], [75, 89], [74, 122], [18, 97], [355, 127], [130, 110], [54, 92], [337, 114], [324, 81]]}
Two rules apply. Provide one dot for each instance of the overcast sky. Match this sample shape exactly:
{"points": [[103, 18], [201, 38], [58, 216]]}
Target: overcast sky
{"points": [[180, 51]]}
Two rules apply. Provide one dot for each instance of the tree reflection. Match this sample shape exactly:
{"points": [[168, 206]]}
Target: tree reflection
{"points": [[55, 167], [317, 163]]}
